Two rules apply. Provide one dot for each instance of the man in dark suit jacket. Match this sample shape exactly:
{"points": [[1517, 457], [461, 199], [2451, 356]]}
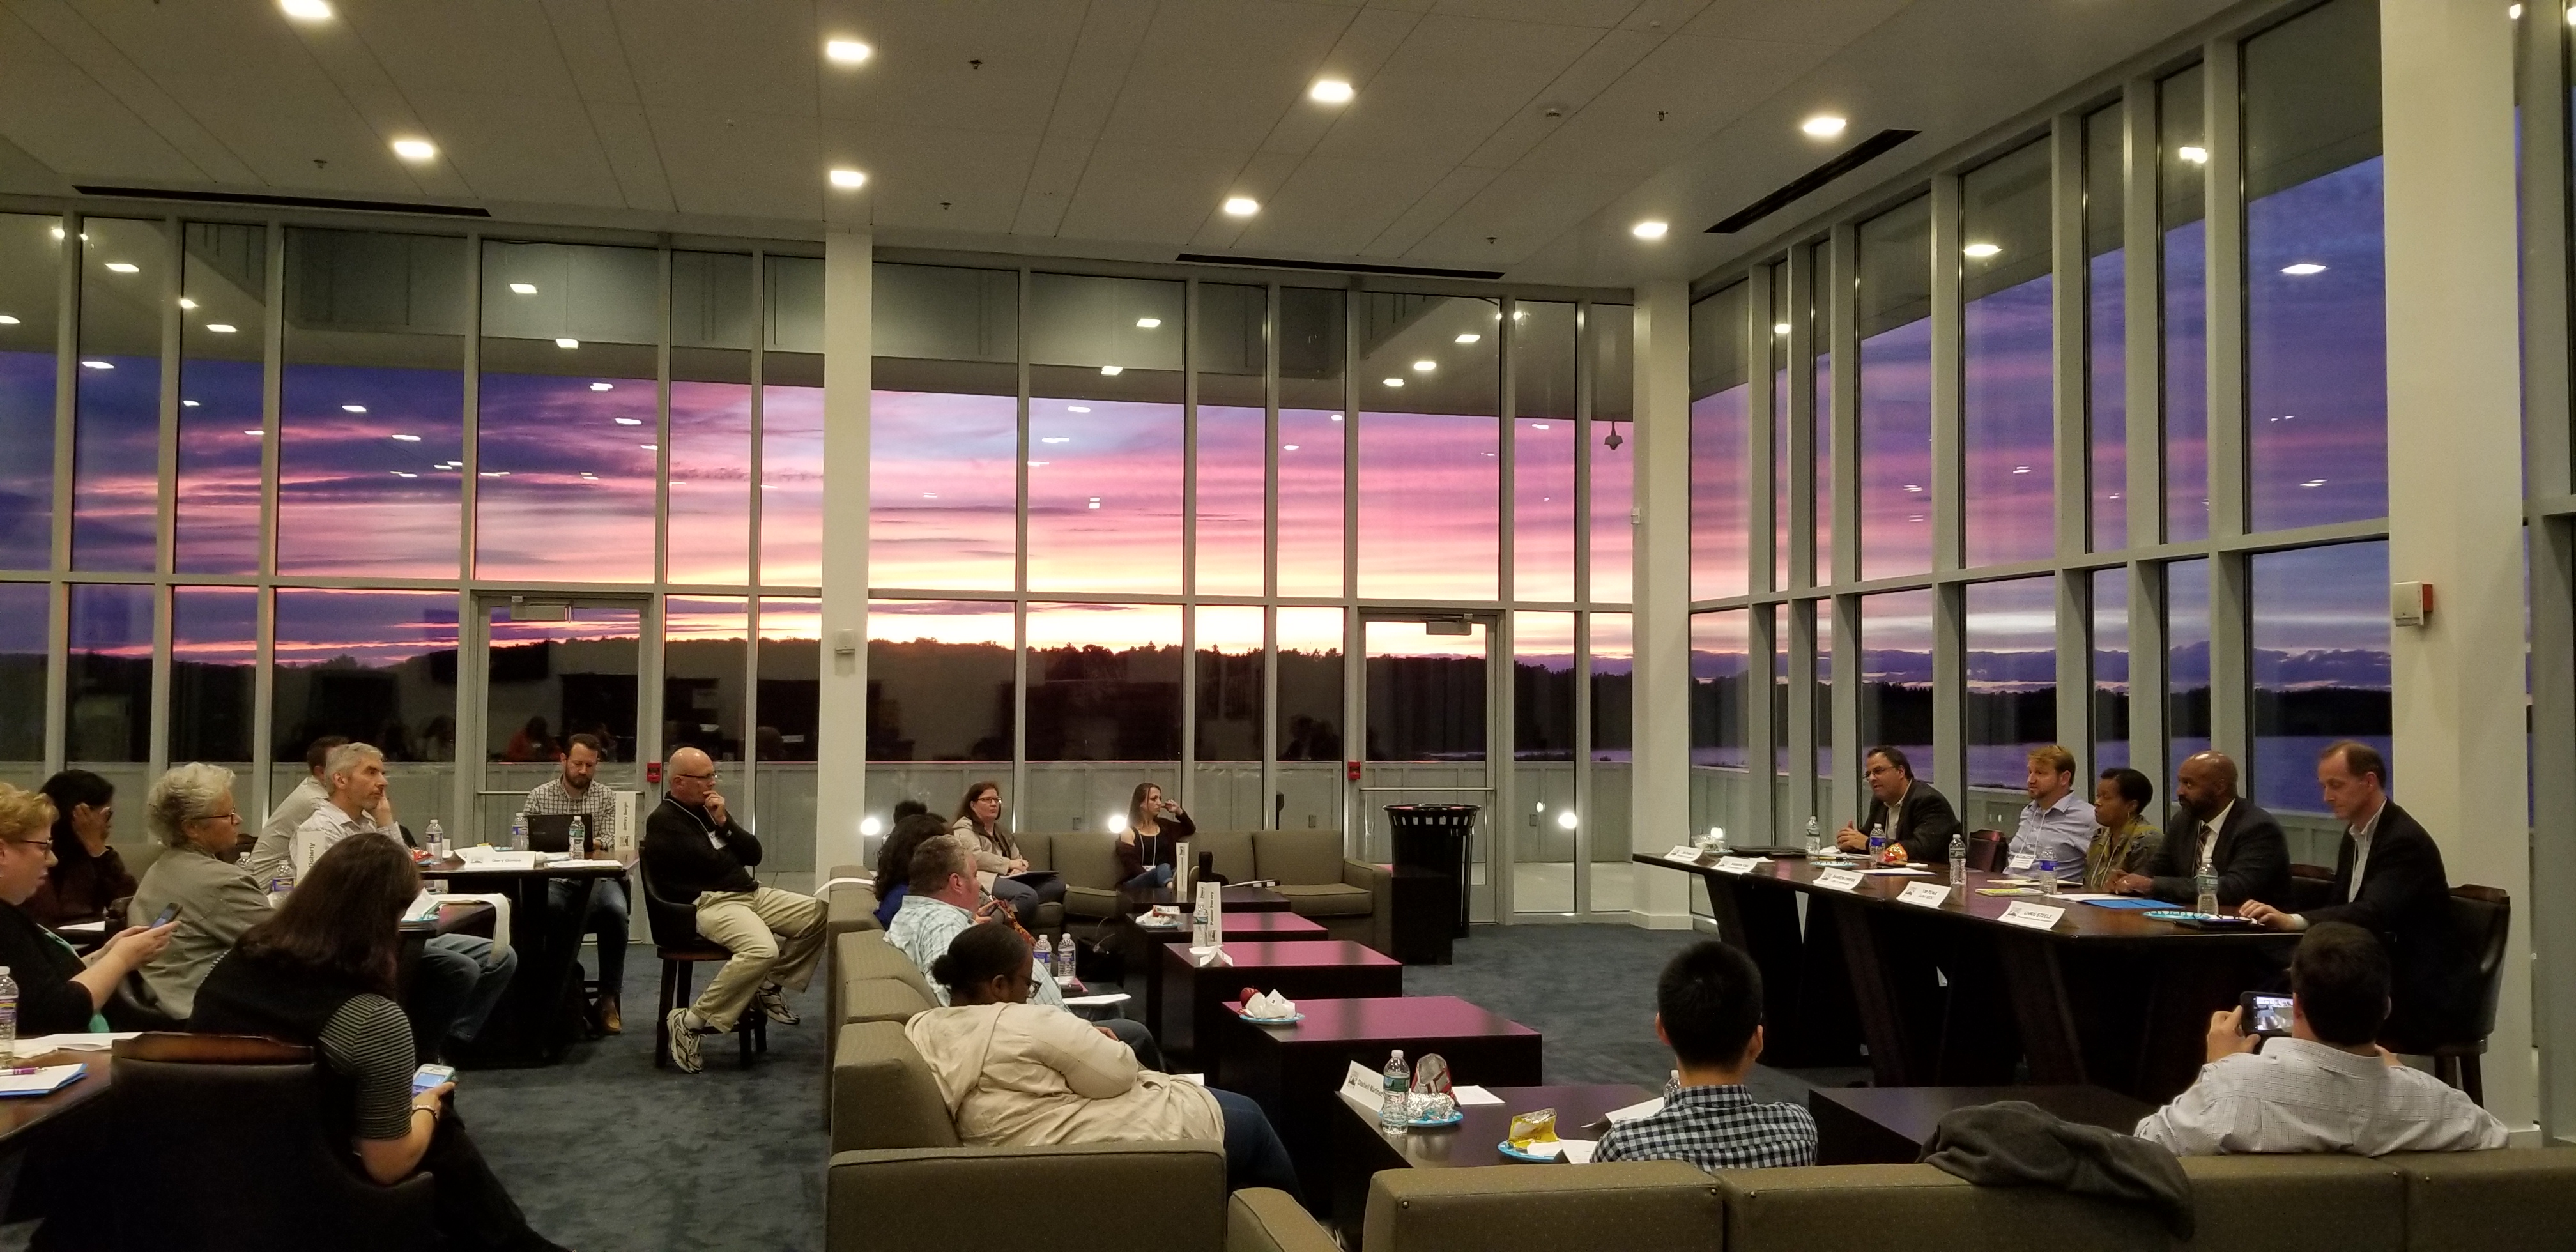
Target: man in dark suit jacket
{"points": [[1922, 823], [2251, 857], [2389, 881]]}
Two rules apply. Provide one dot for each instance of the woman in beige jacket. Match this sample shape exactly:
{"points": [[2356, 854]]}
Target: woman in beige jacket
{"points": [[1016, 1074], [998, 863]]}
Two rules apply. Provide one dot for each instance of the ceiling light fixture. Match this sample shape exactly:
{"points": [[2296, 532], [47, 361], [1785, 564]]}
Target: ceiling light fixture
{"points": [[222, 328], [523, 289], [353, 408], [1077, 408], [1112, 371], [98, 365], [415, 149], [1469, 337], [2193, 153], [567, 343], [1394, 382], [2303, 269], [1649, 230], [187, 404], [1823, 125], [1241, 206], [406, 438], [1425, 367], [1779, 328], [650, 447], [849, 180], [630, 421], [847, 51], [1330, 91], [306, 10], [1148, 323], [186, 303], [603, 386], [6, 320], [122, 267], [1980, 251]]}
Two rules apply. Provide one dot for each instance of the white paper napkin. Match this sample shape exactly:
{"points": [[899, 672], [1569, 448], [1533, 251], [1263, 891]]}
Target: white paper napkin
{"points": [[1270, 1004]]}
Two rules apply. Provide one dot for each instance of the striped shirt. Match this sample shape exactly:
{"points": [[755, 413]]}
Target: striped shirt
{"points": [[2300, 1096], [1715, 1128], [369, 1040]]}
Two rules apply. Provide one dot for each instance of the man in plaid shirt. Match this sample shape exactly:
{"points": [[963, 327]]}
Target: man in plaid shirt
{"points": [[1708, 1010], [573, 792]]}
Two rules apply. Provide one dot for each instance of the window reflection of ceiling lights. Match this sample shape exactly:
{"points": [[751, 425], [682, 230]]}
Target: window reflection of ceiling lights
{"points": [[6, 320], [405, 474], [1112, 371], [2193, 153], [1287, 447], [650, 447], [567, 343], [1056, 439], [1077, 408], [603, 386], [2303, 269], [123, 267], [353, 408], [186, 303], [1469, 337], [1425, 367], [406, 438], [1391, 382], [523, 289], [1148, 323], [97, 365], [222, 328], [630, 421], [1980, 251], [847, 51]]}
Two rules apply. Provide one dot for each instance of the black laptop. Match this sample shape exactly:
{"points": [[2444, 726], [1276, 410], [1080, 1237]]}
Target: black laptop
{"points": [[551, 832]]}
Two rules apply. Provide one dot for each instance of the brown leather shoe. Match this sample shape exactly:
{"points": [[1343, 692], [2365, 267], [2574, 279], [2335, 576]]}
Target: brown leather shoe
{"points": [[609, 1021]]}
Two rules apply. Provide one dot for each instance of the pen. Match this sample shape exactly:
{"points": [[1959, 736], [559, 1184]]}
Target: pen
{"points": [[23, 1070]]}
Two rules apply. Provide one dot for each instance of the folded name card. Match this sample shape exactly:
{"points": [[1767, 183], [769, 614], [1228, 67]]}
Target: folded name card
{"points": [[2021, 861], [1929, 895], [2035, 916], [1683, 852], [1839, 879], [1737, 864]]}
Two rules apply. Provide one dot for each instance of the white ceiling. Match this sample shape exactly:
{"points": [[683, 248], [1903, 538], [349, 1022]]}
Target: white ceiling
{"points": [[1091, 127]]}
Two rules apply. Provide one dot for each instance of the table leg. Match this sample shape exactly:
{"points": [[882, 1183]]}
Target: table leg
{"points": [[2048, 1036], [1872, 989]]}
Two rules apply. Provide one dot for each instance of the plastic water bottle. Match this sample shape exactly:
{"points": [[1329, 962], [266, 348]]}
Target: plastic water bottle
{"points": [[577, 837], [277, 889], [2047, 876], [437, 837], [1394, 1111], [1958, 858], [1064, 955], [8, 1014], [1877, 840], [518, 832], [2205, 890], [1815, 844]]}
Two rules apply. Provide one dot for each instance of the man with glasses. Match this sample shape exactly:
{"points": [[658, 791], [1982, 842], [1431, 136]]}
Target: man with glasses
{"points": [[1918, 818], [572, 793], [693, 851]]}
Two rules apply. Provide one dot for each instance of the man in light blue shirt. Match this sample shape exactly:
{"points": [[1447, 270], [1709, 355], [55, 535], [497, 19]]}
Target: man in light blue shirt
{"points": [[2055, 825]]}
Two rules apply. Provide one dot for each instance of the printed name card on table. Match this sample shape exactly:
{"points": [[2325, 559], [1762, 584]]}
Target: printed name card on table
{"points": [[2021, 861], [1683, 852], [1839, 879], [1737, 864], [1929, 895], [2035, 916]]}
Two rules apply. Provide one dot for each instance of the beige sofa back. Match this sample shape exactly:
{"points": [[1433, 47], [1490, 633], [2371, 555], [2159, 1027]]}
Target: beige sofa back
{"points": [[1664, 1205], [1299, 857], [883, 1093]]}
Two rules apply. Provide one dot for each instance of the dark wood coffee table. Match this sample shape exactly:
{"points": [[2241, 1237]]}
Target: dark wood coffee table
{"points": [[1293, 1070], [1195, 999], [1145, 951], [1360, 1148], [25, 1118], [1237, 900], [1890, 1125]]}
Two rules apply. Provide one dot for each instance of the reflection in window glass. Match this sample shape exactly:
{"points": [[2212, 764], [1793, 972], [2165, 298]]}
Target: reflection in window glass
{"points": [[1779, 685], [791, 424], [2187, 660], [1227, 639], [24, 613], [1104, 682], [1426, 692], [2106, 328], [944, 430], [2316, 330], [214, 658], [702, 674], [552, 675], [1719, 397], [1310, 684], [1896, 674], [31, 262], [1428, 450], [791, 682], [1105, 434], [107, 714], [939, 680], [1542, 687], [710, 433], [1721, 660], [1614, 663], [1895, 397], [1820, 373], [116, 428], [2182, 158], [2110, 668], [1781, 577], [1822, 692], [1614, 470], [1543, 776], [2008, 402], [223, 345], [2320, 665], [372, 427], [1232, 470], [376, 666], [1543, 440], [1311, 442], [2012, 678]]}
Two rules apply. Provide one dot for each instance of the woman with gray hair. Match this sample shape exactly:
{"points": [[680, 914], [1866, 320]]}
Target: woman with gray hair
{"points": [[191, 810]]}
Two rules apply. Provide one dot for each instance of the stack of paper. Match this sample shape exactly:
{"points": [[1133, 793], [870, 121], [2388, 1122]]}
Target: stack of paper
{"points": [[46, 1080]]}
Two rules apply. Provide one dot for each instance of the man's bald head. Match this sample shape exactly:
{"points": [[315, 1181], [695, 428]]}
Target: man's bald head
{"points": [[2205, 784], [691, 776]]}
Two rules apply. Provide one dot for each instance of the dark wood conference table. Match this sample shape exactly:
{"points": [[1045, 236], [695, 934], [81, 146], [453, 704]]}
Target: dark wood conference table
{"points": [[1361, 1148], [21, 1119], [1195, 998], [2106, 997], [530, 1026], [1145, 944]]}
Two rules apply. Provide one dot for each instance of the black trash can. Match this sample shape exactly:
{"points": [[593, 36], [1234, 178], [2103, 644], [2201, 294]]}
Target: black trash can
{"points": [[1432, 870]]}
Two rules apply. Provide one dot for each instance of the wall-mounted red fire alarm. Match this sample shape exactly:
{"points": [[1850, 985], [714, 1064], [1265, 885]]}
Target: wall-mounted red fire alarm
{"points": [[1351, 769], [652, 771]]}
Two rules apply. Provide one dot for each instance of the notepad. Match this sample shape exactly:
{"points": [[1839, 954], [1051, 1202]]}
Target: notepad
{"points": [[1642, 1108], [1469, 1093], [45, 1081], [1112, 997]]}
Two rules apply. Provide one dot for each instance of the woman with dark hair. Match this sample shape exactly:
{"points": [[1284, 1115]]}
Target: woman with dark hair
{"points": [[894, 861], [87, 875], [2123, 840], [321, 973], [1016, 1074], [1155, 826], [999, 866]]}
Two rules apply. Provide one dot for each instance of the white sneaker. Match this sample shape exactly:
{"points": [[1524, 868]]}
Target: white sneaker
{"points": [[772, 1000], [685, 1026]]}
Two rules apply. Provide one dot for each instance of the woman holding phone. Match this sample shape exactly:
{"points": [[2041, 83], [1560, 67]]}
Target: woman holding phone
{"points": [[59, 991], [997, 855], [1155, 826]]}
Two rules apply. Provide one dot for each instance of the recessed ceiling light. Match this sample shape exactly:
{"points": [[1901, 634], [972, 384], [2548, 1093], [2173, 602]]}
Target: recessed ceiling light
{"points": [[849, 180], [847, 51], [523, 289], [603, 386], [306, 10], [406, 439], [405, 474], [2303, 269], [630, 421], [222, 328], [1823, 125], [1425, 367], [1649, 230], [1287, 447], [2193, 153], [256, 434], [1148, 323], [650, 447], [97, 365], [186, 303], [1077, 408], [122, 267], [1056, 439], [567, 343], [1780, 328], [1394, 382], [1469, 337], [187, 404], [1330, 91], [1241, 206], [1113, 371], [2513, 12], [353, 408], [6, 320], [415, 149], [1980, 251], [2314, 482]]}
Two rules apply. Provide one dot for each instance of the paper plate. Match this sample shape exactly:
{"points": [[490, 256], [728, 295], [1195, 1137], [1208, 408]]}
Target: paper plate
{"points": [[1506, 1148], [1455, 1116], [1272, 1021]]}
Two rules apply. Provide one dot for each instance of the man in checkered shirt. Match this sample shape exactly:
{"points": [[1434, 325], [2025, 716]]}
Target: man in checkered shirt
{"points": [[573, 792], [1708, 1010]]}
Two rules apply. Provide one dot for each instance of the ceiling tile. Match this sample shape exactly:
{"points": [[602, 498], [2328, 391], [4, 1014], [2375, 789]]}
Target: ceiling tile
{"points": [[514, 148], [923, 72], [724, 58], [750, 164], [1149, 192], [1448, 88], [1832, 24], [1220, 73], [912, 169], [1333, 208]]}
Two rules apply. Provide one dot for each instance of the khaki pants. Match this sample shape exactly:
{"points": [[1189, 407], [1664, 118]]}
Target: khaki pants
{"points": [[775, 936]]}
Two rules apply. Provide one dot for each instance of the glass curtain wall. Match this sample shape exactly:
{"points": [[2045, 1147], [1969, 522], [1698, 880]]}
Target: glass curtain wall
{"points": [[1895, 397]]}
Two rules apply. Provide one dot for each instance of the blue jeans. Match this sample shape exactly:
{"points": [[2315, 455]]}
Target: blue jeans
{"points": [[607, 920], [453, 989], [1254, 1157], [1154, 876]]}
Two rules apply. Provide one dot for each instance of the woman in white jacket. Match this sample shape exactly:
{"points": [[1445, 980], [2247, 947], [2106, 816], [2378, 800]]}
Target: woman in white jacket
{"points": [[1017, 1074]]}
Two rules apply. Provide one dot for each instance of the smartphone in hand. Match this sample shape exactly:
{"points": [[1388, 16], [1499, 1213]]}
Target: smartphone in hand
{"points": [[2266, 1014], [428, 1076], [167, 916]]}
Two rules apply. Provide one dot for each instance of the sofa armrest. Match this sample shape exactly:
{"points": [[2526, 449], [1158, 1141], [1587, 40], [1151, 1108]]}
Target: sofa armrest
{"points": [[1377, 879], [1666, 1205], [908, 1197], [1262, 1220], [1364, 874]]}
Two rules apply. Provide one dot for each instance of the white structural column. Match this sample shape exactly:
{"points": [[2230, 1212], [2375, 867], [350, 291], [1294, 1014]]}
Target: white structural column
{"points": [[2454, 443], [849, 314], [1659, 804]]}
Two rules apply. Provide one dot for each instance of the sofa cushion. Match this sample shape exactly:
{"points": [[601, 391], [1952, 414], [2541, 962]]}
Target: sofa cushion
{"points": [[1230, 852], [2507, 1200], [1669, 1206], [883, 1094], [1085, 858], [866, 954], [1328, 899], [2305, 1203], [1916, 1208], [879, 1000], [850, 907], [1299, 856]]}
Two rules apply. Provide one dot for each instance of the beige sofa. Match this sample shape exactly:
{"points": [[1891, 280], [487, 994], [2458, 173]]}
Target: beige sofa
{"points": [[1348, 898]]}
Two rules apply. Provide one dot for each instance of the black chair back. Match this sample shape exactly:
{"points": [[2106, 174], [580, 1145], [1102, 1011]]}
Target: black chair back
{"points": [[2311, 887], [2484, 919], [674, 923], [181, 1101], [1986, 850]]}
